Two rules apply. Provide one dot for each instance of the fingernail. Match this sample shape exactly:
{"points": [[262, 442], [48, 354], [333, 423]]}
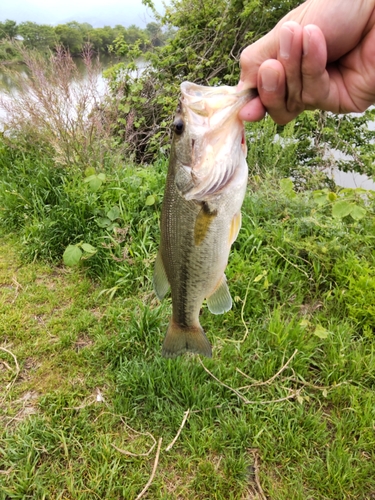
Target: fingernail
{"points": [[286, 39], [306, 41], [269, 79]]}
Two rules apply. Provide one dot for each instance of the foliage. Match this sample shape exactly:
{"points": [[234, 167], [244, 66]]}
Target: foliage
{"points": [[37, 36], [55, 112], [73, 35], [205, 48], [8, 29], [298, 345]]}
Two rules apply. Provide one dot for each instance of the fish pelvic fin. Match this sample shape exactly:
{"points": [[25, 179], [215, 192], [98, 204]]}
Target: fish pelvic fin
{"points": [[180, 339], [160, 280], [220, 300]]}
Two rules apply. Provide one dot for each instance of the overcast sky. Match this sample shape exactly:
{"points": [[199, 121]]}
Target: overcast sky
{"points": [[96, 12]]}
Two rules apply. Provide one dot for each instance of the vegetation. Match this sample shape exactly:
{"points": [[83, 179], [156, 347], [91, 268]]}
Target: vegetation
{"points": [[89, 373], [73, 36], [285, 409]]}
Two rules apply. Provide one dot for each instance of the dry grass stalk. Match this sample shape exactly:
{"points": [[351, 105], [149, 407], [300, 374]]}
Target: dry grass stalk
{"points": [[186, 414], [255, 455], [294, 394], [11, 383], [270, 380], [153, 471], [57, 110]]}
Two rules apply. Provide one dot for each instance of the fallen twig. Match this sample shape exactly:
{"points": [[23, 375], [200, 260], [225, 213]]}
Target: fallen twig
{"points": [[291, 263], [9, 386], [242, 319], [266, 382], [222, 383], [254, 453], [246, 401], [186, 414], [130, 454], [153, 471], [18, 286]]}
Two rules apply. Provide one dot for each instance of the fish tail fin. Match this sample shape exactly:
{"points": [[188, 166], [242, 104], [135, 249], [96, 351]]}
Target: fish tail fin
{"points": [[180, 339]]}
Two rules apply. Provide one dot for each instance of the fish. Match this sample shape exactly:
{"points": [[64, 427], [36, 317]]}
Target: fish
{"points": [[201, 210]]}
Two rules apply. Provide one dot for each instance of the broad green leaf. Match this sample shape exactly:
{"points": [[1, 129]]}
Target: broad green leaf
{"points": [[260, 276], [114, 213], [86, 247], [90, 171], [150, 200], [304, 323], [321, 199], [342, 208], [320, 196], [103, 221], [287, 187], [102, 177], [358, 212], [94, 182], [72, 255], [321, 332]]}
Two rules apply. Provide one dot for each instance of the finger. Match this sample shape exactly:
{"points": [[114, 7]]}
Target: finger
{"points": [[315, 78], [290, 55], [253, 56], [272, 91], [253, 111]]}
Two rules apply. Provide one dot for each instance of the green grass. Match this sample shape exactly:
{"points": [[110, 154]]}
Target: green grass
{"points": [[89, 374]]}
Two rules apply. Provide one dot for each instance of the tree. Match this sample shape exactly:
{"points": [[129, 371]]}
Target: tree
{"points": [[8, 29], [209, 36], [37, 36], [155, 33], [71, 36]]}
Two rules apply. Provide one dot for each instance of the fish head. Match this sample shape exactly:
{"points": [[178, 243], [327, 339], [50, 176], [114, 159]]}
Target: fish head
{"points": [[209, 141]]}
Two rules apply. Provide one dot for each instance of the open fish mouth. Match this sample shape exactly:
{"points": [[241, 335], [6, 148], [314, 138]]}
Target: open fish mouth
{"points": [[216, 134]]}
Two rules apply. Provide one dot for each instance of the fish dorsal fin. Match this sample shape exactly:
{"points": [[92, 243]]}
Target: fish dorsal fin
{"points": [[220, 301], [235, 228], [160, 280]]}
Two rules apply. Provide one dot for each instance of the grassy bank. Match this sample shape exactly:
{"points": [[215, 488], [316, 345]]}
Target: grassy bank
{"points": [[286, 407]]}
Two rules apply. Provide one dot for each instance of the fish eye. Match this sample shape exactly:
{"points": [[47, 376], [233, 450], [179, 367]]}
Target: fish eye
{"points": [[178, 126]]}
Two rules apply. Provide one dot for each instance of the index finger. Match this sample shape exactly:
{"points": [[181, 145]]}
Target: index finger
{"points": [[253, 56]]}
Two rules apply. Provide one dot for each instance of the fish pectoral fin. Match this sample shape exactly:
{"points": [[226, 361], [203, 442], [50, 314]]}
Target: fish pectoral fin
{"points": [[180, 339], [235, 228], [220, 300], [160, 280]]}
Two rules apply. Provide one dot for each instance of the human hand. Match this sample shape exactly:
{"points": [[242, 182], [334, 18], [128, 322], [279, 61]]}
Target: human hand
{"points": [[327, 65]]}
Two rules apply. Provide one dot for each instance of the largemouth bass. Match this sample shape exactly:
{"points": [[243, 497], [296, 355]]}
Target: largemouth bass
{"points": [[201, 217]]}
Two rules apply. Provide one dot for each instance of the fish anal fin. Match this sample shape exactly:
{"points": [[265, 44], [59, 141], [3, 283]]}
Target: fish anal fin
{"points": [[160, 280], [220, 300], [203, 222], [234, 228], [180, 339]]}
